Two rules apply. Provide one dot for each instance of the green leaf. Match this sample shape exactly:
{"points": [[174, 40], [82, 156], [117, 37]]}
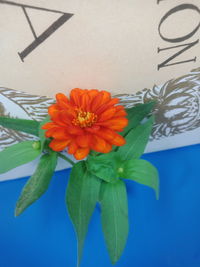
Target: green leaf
{"points": [[136, 141], [137, 114], [140, 171], [103, 166], [26, 126], [114, 215], [81, 197], [42, 136], [38, 183], [18, 154]]}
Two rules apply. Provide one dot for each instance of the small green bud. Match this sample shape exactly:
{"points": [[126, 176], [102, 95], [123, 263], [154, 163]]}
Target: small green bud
{"points": [[120, 170], [36, 145]]}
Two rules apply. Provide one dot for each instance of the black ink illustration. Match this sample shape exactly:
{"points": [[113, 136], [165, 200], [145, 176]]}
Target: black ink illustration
{"points": [[64, 17]]}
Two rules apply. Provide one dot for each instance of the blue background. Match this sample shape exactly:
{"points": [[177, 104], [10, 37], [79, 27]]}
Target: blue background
{"points": [[164, 233]]}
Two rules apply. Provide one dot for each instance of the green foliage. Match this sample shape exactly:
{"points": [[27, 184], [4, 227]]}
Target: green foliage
{"points": [[137, 114], [140, 171], [18, 154], [136, 141], [103, 166], [38, 183], [98, 179], [26, 126], [122, 163], [114, 216], [41, 132], [81, 197]]}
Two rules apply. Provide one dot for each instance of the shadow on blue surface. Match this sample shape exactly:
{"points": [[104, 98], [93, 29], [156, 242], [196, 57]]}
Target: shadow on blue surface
{"points": [[164, 233]]}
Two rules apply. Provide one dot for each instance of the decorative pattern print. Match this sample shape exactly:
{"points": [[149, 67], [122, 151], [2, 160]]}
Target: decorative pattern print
{"points": [[178, 104], [177, 109], [17, 104]]}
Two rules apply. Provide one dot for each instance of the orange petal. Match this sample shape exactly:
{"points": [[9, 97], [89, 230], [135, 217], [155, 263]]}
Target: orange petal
{"points": [[81, 153], [60, 134], [85, 102], [49, 125], [92, 129], [75, 96], [107, 114], [72, 147], [118, 140], [106, 97], [111, 136], [66, 116], [96, 103], [83, 140], [61, 98], [108, 148], [55, 114], [115, 123], [98, 144], [59, 145], [75, 130], [50, 132], [92, 93], [120, 111], [59, 120], [66, 105], [108, 105], [53, 109]]}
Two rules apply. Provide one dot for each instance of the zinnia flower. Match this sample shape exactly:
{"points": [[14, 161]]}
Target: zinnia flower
{"points": [[88, 120]]}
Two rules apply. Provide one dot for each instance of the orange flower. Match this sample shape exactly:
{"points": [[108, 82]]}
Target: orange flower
{"points": [[88, 120]]}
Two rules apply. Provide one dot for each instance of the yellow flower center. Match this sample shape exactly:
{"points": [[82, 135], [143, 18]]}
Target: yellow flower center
{"points": [[84, 119]]}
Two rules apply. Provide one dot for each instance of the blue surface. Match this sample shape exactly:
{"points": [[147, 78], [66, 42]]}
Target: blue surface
{"points": [[164, 233]]}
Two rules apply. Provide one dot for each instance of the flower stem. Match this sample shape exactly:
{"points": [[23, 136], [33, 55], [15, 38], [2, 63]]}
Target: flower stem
{"points": [[66, 158]]}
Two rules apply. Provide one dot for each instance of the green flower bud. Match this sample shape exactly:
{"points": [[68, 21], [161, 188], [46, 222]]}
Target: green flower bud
{"points": [[120, 170], [36, 145]]}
